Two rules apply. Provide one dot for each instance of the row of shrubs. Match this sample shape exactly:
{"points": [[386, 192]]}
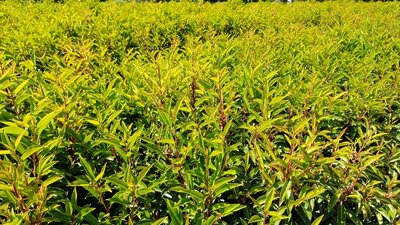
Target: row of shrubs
{"points": [[200, 1], [184, 113]]}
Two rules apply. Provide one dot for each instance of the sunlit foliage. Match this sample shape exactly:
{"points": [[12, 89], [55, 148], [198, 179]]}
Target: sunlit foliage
{"points": [[183, 113]]}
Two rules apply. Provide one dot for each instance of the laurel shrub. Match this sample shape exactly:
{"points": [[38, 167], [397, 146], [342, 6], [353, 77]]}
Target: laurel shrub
{"points": [[199, 113]]}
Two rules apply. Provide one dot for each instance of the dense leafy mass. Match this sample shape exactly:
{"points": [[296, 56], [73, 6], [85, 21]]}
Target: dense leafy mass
{"points": [[185, 113]]}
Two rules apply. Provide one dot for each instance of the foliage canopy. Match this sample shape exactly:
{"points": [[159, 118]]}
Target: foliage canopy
{"points": [[185, 113]]}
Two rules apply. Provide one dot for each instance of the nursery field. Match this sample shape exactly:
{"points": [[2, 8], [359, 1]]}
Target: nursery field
{"points": [[199, 113]]}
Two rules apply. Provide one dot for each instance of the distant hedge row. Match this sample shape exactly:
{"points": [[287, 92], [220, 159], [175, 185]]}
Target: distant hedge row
{"points": [[197, 1]]}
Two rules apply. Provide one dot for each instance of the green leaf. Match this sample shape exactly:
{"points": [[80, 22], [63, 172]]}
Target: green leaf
{"points": [[341, 215], [87, 167], [277, 215], [372, 159], [194, 194], [175, 214], [231, 208], [6, 186], [18, 140], [215, 153], [312, 194], [85, 211], [118, 182], [224, 188], [4, 152], [165, 118], [255, 219], [80, 183], [94, 122], [30, 152], [14, 130], [101, 174], [353, 217], [167, 141], [285, 192], [91, 219], [15, 221], [160, 221], [222, 181], [318, 220], [143, 173], [74, 198], [300, 126], [144, 191], [51, 180], [247, 127], [45, 121], [210, 220], [132, 140], [112, 117], [20, 86], [269, 197], [226, 128], [334, 200], [10, 196]]}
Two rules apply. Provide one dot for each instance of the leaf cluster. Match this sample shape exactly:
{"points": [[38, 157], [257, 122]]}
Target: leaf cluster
{"points": [[181, 113]]}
